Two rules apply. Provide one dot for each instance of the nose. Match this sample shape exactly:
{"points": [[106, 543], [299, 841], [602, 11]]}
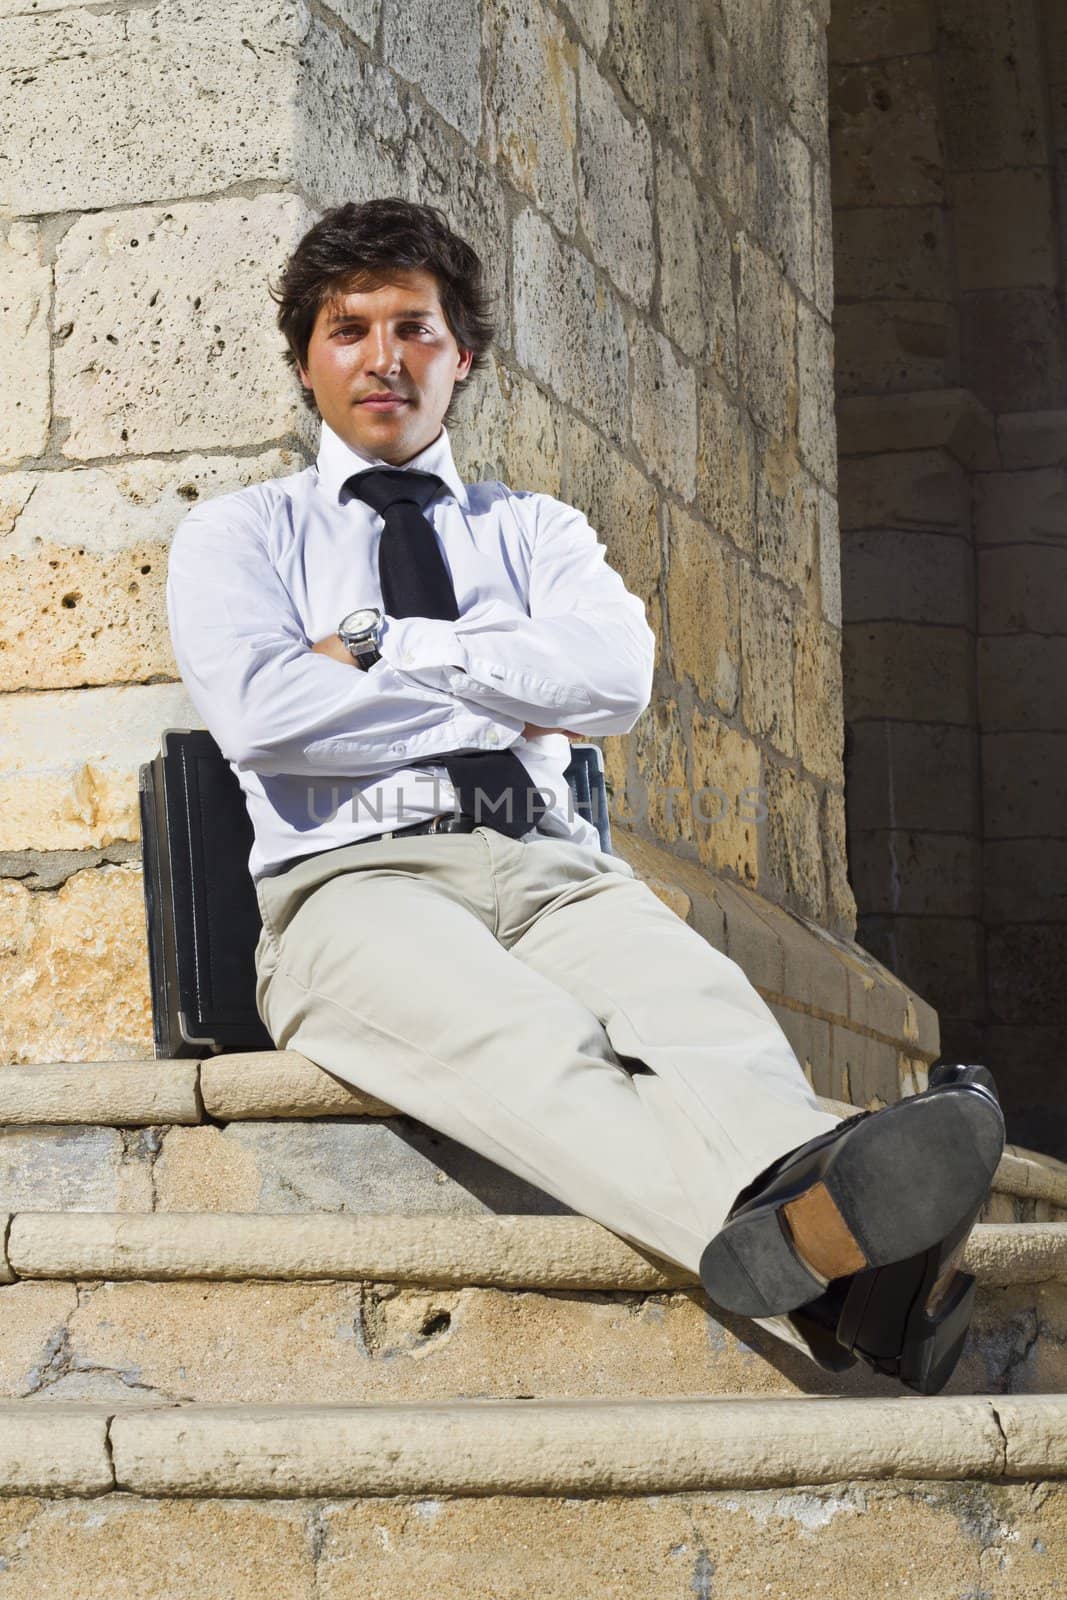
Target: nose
{"points": [[382, 351]]}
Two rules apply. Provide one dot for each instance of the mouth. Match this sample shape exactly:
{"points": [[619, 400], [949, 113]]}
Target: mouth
{"points": [[394, 403]]}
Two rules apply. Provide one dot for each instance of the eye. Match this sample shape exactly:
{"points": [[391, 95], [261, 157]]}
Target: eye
{"points": [[339, 332]]}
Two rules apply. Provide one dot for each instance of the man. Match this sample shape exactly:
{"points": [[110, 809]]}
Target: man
{"points": [[394, 662]]}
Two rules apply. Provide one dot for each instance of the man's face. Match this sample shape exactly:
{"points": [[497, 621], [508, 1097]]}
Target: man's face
{"points": [[392, 339]]}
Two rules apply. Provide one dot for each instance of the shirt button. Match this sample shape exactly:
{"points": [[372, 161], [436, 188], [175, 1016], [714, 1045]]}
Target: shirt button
{"points": [[494, 737], [398, 749]]}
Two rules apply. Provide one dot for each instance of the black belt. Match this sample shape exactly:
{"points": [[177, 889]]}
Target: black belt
{"points": [[443, 822]]}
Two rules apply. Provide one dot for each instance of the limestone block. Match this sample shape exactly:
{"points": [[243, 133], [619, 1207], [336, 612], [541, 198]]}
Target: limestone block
{"points": [[943, 956], [1011, 343], [715, 112], [167, 336], [83, 564], [1021, 589], [829, 558], [916, 577], [725, 468], [127, 1093], [249, 1084], [353, 121], [790, 854], [695, 256], [840, 899], [892, 253], [74, 975], [869, 29], [906, 489], [513, 434], [933, 770], [569, 329], [787, 514], [663, 409], [1023, 879], [909, 671], [1020, 249], [894, 346], [823, 242], [1024, 963], [419, 43], [69, 777], [766, 316], [642, 53], [992, 84], [1022, 683], [1024, 784], [531, 111], [592, 19], [622, 505], [950, 418], [25, 298], [863, 1069], [916, 873], [665, 802], [809, 1038], [55, 1453], [886, 149], [1031, 438], [804, 70], [726, 823], [615, 186], [702, 602], [767, 655], [784, 221], [361, 16], [1020, 506], [817, 692], [134, 143]]}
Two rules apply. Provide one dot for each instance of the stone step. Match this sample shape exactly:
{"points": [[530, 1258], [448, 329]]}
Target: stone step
{"points": [[658, 1498], [273, 1132], [217, 1307]]}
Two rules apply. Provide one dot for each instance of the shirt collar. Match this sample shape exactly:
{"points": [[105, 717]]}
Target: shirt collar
{"points": [[338, 460]]}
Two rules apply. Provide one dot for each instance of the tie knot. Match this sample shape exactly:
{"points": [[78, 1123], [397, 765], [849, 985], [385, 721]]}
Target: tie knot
{"points": [[382, 487]]}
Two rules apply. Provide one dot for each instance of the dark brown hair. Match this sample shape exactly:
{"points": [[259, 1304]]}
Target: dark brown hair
{"points": [[357, 248]]}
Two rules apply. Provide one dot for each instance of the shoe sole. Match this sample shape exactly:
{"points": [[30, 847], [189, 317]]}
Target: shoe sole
{"points": [[893, 1187]]}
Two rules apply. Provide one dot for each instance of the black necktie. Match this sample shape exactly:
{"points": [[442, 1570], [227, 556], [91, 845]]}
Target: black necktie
{"points": [[492, 786]]}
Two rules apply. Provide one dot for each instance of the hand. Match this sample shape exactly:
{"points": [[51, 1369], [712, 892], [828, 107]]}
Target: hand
{"points": [[531, 731], [331, 646]]}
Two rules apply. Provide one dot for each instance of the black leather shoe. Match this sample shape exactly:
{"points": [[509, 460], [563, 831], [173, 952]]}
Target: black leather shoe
{"points": [[908, 1320], [881, 1188]]}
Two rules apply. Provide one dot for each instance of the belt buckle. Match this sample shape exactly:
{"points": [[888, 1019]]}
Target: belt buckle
{"points": [[435, 822]]}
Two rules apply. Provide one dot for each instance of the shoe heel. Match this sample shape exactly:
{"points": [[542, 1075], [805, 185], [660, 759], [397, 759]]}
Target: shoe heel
{"points": [[979, 1077], [739, 1268]]}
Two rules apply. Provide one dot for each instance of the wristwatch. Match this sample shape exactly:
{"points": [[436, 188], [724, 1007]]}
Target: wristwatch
{"points": [[361, 633]]}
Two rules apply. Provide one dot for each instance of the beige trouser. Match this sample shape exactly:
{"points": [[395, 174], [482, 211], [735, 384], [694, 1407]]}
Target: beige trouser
{"points": [[501, 991]]}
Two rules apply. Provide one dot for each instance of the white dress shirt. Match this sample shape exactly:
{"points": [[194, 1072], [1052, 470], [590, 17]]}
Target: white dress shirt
{"points": [[326, 753]]}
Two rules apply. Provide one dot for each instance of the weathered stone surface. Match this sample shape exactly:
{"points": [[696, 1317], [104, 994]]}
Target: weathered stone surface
{"points": [[74, 969], [569, 329], [83, 564], [419, 43], [615, 186], [916, 873], [161, 317], [992, 84], [905, 489], [665, 803], [767, 657], [840, 899], [1020, 506], [71, 760], [931, 769], [513, 434], [702, 602], [1012, 348], [1024, 784], [912, 577], [823, 241], [766, 316], [1022, 686], [885, 142], [134, 143], [663, 409], [531, 114], [726, 767], [725, 467], [1021, 588], [892, 253], [817, 689], [1019, 249], [622, 505], [910, 671], [869, 29], [784, 225], [790, 855], [787, 516], [695, 265], [895, 345], [829, 558], [924, 420], [25, 296], [816, 432]]}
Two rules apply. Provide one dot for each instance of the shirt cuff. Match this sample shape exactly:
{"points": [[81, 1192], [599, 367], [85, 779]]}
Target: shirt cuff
{"points": [[418, 644]]}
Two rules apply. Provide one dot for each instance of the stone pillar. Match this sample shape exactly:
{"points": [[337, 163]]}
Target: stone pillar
{"points": [[649, 187], [948, 133]]}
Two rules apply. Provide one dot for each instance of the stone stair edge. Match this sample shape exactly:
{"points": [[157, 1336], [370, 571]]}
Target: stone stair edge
{"points": [[259, 1085], [508, 1251], [497, 1446]]}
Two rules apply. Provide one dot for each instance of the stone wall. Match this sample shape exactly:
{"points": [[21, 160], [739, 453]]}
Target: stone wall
{"points": [[949, 140], [649, 187]]}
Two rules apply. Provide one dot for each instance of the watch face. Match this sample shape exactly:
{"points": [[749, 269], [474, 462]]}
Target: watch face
{"points": [[359, 621]]}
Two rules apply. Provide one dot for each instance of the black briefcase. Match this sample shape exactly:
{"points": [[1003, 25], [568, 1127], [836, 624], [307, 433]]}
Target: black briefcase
{"points": [[200, 901]]}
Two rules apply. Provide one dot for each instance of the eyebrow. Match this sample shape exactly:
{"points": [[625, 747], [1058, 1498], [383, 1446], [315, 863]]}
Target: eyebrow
{"points": [[354, 316]]}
